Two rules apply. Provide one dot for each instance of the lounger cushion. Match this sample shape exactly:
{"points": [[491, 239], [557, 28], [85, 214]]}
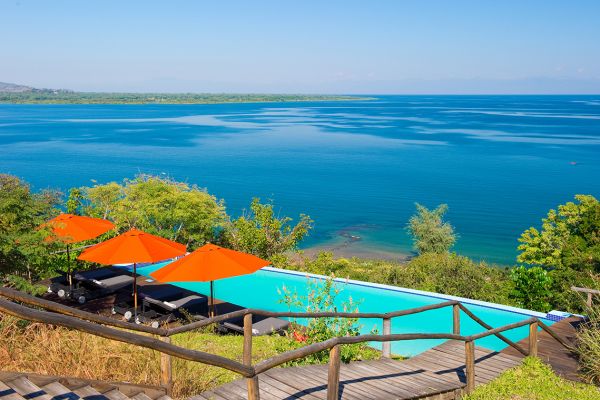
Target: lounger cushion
{"points": [[261, 327], [175, 304], [97, 274], [114, 283], [187, 301], [161, 292]]}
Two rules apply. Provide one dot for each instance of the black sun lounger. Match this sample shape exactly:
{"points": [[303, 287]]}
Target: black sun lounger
{"points": [[261, 325], [60, 284], [99, 287], [159, 311], [161, 304]]}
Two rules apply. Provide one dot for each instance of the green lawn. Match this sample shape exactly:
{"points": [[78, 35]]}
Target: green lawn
{"points": [[533, 380]]}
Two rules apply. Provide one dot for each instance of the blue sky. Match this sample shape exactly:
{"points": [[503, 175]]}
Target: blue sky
{"points": [[303, 46]]}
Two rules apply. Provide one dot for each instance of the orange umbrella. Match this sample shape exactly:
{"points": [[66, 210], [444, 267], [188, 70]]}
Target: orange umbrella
{"points": [[209, 263], [71, 229], [75, 228], [132, 247]]}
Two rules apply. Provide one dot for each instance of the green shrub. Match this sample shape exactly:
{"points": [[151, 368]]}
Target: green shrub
{"points": [[531, 288], [454, 275], [321, 296], [324, 263], [24, 285]]}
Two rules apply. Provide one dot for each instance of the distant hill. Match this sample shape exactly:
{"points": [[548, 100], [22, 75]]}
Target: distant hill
{"points": [[14, 88]]}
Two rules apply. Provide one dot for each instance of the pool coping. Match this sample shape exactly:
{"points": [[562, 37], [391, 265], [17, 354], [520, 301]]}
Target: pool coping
{"points": [[446, 297], [423, 293]]}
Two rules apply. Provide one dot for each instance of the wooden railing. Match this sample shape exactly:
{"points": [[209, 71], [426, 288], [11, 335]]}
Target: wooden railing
{"points": [[590, 293], [101, 326]]}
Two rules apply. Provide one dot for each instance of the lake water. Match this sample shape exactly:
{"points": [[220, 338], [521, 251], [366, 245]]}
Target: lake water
{"points": [[357, 168]]}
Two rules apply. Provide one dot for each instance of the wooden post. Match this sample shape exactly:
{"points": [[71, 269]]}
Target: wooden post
{"points": [[589, 299], [456, 319], [533, 339], [252, 383], [470, 365], [333, 374], [386, 347], [166, 372]]}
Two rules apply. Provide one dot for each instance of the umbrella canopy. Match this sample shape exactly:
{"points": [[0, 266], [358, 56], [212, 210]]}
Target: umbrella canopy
{"points": [[75, 228], [209, 263], [133, 246], [71, 228]]}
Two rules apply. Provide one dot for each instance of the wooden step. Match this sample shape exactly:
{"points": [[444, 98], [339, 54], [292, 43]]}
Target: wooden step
{"points": [[141, 396], [57, 390], [28, 389], [88, 391], [115, 394], [8, 393]]}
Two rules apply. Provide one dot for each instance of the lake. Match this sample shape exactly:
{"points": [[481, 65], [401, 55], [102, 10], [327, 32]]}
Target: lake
{"points": [[356, 167]]}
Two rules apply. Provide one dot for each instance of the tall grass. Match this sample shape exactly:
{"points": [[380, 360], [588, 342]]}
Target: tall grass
{"points": [[588, 345], [33, 347]]}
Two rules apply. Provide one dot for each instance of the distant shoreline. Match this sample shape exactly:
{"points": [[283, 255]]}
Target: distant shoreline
{"points": [[92, 98], [354, 247]]}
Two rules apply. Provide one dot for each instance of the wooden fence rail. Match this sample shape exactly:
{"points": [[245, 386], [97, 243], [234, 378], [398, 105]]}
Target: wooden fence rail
{"points": [[590, 294], [99, 325]]}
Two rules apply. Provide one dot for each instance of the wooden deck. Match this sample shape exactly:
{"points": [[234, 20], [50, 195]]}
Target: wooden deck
{"points": [[438, 373]]}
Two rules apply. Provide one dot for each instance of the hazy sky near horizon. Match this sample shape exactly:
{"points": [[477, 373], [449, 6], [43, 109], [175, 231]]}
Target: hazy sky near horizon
{"points": [[383, 46]]}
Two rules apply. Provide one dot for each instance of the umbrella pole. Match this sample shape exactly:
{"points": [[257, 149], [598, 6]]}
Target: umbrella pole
{"points": [[69, 275], [134, 292], [212, 300]]}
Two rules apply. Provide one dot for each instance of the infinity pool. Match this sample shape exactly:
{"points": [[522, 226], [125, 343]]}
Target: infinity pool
{"points": [[259, 290]]}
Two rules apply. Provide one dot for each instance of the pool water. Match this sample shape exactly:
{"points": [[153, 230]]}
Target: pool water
{"points": [[260, 290]]}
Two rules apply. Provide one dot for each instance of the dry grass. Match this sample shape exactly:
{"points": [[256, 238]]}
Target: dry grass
{"points": [[33, 347]]}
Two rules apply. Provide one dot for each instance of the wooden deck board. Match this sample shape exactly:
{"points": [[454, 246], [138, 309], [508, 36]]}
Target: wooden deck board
{"points": [[438, 372], [562, 361]]}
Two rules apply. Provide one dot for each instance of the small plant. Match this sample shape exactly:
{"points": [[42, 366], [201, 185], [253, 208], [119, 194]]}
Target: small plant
{"points": [[531, 287], [322, 296], [24, 285]]}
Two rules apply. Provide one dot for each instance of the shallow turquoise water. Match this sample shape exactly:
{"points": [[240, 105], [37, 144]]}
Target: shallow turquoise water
{"points": [[357, 168], [259, 290]]}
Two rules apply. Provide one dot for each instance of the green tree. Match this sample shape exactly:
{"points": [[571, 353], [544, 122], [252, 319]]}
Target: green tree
{"points": [[74, 201], [158, 205], [570, 237], [262, 233], [532, 288], [23, 250], [430, 233]]}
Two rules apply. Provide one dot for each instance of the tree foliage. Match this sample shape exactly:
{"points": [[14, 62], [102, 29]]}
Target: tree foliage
{"points": [[158, 205], [262, 233], [455, 275], [23, 250], [531, 288], [431, 234], [570, 237]]}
